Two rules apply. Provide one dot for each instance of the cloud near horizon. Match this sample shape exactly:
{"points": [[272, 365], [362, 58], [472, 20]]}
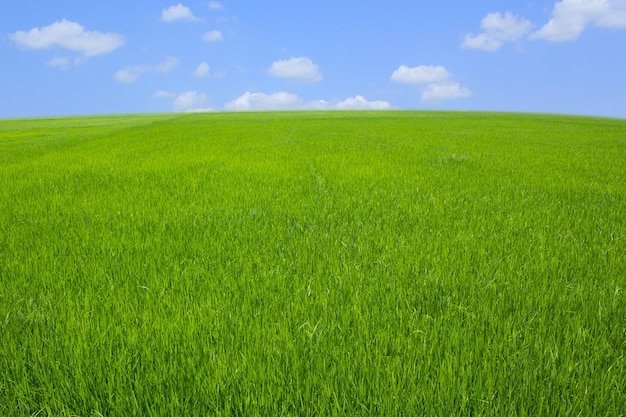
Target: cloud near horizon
{"points": [[190, 101], [289, 101], [71, 36], [262, 101], [299, 69], [438, 80], [438, 92], [361, 103]]}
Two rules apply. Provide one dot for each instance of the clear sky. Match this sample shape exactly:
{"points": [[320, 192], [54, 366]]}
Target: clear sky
{"points": [[69, 57]]}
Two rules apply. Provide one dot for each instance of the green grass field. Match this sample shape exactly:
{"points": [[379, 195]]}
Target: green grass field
{"points": [[313, 264]]}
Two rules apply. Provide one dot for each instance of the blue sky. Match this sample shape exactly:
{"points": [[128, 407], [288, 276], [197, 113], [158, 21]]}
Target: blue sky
{"points": [[72, 58]]}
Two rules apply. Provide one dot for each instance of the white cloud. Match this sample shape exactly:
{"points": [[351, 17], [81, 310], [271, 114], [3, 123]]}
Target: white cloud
{"points": [[185, 102], [219, 74], [438, 92], [498, 28], [481, 41], [300, 69], [200, 110], [202, 71], [131, 73], [68, 35], [289, 101], [359, 102], [419, 75], [167, 66], [60, 62], [178, 12], [189, 101], [164, 94], [261, 101], [570, 18], [215, 5], [213, 36], [438, 81]]}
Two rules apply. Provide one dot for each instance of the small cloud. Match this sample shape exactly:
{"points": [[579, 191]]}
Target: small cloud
{"points": [[289, 101], [60, 62], [360, 103], [189, 101], [438, 81], [131, 73], [186, 102], [438, 92], [200, 110], [261, 101], [498, 28], [571, 17], [299, 69], [215, 5], [319, 105], [178, 12], [419, 75], [164, 94], [68, 35], [219, 74], [240, 69], [213, 36], [202, 71], [168, 65]]}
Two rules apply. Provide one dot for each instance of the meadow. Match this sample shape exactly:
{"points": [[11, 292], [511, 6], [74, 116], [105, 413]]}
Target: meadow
{"points": [[313, 264]]}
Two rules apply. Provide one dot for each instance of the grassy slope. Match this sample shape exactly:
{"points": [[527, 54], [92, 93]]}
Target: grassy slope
{"points": [[313, 264]]}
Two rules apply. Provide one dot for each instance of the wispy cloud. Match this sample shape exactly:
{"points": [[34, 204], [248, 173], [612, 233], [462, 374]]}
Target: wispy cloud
{"points": [[438, 82], [167, 66], [60, 62], [215, 5], [68, 35], [178, 12], [132, 73], [164, 94], [213, 36], [289, 101], [299, 69], [498, 28], [189, 101], [571, 17]]}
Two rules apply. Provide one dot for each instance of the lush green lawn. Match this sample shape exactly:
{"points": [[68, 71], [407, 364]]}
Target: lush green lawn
{"points": [[316, 264]]}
